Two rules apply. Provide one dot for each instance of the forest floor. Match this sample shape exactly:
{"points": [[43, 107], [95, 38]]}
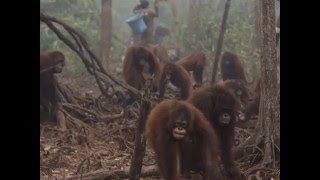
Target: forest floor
{"points": [[107, 144]]}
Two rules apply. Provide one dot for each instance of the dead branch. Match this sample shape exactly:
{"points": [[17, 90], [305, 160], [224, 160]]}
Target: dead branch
{"points": [[260, 166], [220, 40], [76, 122], [71, 106], [140, 139], [96, 115], [146, 171], [65, 93], [112, 116]]}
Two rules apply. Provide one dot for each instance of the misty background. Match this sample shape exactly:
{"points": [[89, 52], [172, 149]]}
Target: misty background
{"points": [[85, 17]]}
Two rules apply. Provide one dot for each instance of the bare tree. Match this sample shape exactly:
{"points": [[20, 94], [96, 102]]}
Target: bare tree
{"points": [[267, 131], [269, 115], [220, 40], [140, 138], [139, 142], [106, 30]]}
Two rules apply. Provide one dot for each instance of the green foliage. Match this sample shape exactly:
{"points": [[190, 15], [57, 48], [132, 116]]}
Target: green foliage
{"points": [[85, 17], [82, 15], [205, 27]]}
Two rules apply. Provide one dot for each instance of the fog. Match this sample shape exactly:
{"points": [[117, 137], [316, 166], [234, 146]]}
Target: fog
{"points": [[85, 17]]}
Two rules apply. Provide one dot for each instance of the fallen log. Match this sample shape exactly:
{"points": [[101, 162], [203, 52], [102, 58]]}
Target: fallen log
{"points": [[146, 171]]}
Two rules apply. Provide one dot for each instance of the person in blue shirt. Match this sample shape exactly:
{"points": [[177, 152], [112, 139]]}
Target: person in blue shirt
{"points": [[148, 17]]}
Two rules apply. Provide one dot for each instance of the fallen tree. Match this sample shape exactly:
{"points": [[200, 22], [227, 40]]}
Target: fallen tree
{"points": [[146, 171]]}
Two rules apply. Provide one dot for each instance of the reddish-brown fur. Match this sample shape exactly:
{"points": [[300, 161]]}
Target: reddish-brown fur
{"points": [[132, 72], [48, 83], [216, 101], [231, 67], [179, 77], [48, 61], [252, 107], [194, 62], [197, 151]]}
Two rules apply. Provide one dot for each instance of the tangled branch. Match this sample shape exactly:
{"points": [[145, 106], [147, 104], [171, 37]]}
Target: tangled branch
{"points": [[92, 64]]}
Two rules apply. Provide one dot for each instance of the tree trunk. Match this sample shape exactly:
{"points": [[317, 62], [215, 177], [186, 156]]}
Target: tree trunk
{"points": [[139, 143], [257, 9], [140, 138], [192, 11], [278, 28], [220, 40], [173, 5], [267, 130], [106, 30], [220, 4], [269, 115]]}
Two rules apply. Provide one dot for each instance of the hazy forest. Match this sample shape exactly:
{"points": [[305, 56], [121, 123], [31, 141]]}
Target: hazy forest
{"points": [[193, 94]]}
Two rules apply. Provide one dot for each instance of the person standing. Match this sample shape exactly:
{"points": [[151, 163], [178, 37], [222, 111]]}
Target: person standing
{"points": [[148, 16]]}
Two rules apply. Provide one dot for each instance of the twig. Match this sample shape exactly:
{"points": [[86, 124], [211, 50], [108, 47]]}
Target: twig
{"points": [[81, 108], [259, 167], [112, 116]]}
